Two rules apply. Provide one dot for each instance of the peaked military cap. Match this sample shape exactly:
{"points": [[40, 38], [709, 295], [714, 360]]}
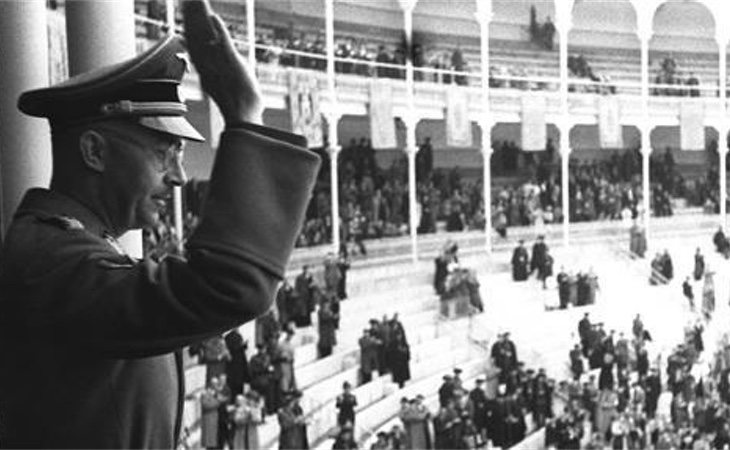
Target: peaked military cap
{"points": [[144, 90]]}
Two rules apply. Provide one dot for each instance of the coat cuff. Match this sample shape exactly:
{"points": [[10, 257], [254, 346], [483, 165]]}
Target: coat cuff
{"points": [[258, 195]]}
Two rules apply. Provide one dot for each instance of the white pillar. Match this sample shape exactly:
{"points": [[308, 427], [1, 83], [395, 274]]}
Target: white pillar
{"points": [[100, 34], [563, 12], [251, 31], [645, 31], [411, 152], [411, 148], [333, 149], [487, 177], [484, 16], [25, 152]]}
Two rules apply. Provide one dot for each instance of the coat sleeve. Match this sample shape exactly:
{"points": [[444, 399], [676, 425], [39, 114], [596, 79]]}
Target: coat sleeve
{"points": [[79, 290]]}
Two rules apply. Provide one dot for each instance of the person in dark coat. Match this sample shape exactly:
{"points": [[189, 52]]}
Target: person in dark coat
{"points": [[520, 262], [584, 329], [400, 356], [343, 262], [478, 406], [653, 389], [720, 241], [304, 296], [539, 252], [262, 378], [368, 355], [563, 288], [699, 269], [576, 362], [292, 424], [667, 267], [688, 293], [237, 368], [285, 303], [327, 328], [102, 368], [446, 391], [545, 270], [346, 404]]}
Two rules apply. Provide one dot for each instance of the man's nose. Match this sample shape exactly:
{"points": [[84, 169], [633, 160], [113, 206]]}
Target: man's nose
{"points": [[176, 175]]}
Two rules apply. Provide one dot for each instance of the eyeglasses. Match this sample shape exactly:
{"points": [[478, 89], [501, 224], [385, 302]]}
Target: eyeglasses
{"points": [[167, 156]]}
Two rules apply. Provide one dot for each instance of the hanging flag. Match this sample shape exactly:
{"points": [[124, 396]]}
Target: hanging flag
{"points": [[458, 125], [534, 131], [692, 125], [609, 125], [382, 123], [306, 117]]}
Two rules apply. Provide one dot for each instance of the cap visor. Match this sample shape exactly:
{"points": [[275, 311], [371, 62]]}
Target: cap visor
{"points": [[174, 125]]}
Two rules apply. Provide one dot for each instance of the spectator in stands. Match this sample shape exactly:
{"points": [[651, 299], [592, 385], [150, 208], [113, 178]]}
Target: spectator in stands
{"points": [[382, 442], [458, 64], [286, 303], [210, 402], [520, 261], [304, 298], [283, 361], [292, 423], [688, 293], [576, 362], [345, 439], [346, 404], [504, 355], [215, 356], [343, 263], [237, 367], [398, 355], [368, 355], [248, 415], [262, 378], [699, 268], [415, 417], [327, 324], [478, 407]]}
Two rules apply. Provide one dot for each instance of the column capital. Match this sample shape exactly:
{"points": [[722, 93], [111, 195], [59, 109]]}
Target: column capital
{"points": [[407, 5], [644, 21], [486, 150], [484, 13], [411, 150], [332, 116], [410, 121], [333, 150]]}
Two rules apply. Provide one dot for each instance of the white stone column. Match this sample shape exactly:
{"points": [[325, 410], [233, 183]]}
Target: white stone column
{"points": [[410, 121], [411, 151], [100, 34], [484, 16], [333, 149], [563, 22], [25, 144], [644, 32]]}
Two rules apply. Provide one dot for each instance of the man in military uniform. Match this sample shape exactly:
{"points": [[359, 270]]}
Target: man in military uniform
{"points": [[90, 336]]}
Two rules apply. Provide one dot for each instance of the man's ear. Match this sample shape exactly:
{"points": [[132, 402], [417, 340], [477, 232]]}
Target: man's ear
{"points": [[93, 148]]}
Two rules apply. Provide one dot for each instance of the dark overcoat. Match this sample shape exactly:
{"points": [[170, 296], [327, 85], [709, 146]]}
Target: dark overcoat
{"points": [[90, 337]]}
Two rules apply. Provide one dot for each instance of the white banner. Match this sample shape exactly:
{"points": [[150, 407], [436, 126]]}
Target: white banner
{"points": [[609, 125], [692, 125], [534, 130], [458, 125], [306, 117], [382, 122]]}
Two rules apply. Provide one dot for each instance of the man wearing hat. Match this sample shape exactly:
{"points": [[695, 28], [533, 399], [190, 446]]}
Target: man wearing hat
{"points": [[91, 337], [478, 406], [292, 423]]}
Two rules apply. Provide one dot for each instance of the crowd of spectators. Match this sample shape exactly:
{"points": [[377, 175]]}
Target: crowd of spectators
{"points": [[579, 67], [669, 76], [542, 34]]}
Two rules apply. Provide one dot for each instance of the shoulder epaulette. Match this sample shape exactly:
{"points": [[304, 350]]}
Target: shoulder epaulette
{"points": [[63, 222]]}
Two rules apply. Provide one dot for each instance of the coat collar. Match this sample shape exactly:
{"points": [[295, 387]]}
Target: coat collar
{"points": [[45, 203]]}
